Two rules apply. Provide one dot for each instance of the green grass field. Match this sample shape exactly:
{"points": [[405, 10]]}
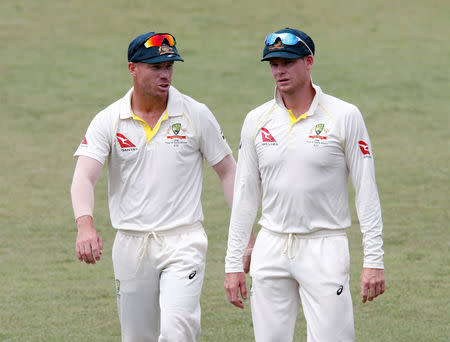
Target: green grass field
{"points": [[63, 61]]}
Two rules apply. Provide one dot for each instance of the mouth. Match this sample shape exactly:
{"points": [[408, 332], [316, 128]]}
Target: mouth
{"points": [[282, 81], [164, 86]]}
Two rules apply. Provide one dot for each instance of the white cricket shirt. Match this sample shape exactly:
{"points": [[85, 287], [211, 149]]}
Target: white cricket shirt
{"points": [[301, 171], [155, 185]]}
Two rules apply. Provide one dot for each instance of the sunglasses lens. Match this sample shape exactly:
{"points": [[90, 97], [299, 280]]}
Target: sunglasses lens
{"points": [[286, 38], [158, 39]]}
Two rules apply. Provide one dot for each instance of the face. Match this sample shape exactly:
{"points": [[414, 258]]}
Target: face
{"points": [[152, 79], [291, 75]]}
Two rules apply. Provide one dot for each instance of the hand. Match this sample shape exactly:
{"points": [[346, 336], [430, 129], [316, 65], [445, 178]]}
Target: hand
{"points": [[372, 283], [235, 282], [89, 245]]}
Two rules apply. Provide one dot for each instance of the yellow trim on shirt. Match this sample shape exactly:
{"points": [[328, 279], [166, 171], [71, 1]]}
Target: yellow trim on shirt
{"points": [[294, 120], [150, 133], [335, 125]]}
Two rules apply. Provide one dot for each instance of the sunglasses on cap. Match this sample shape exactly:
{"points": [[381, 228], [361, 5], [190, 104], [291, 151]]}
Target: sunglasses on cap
{"points": [[286, 38], [158, 39]]}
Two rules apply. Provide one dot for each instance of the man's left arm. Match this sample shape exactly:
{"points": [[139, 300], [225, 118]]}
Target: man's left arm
{"points": [[360, 162], [226, 170]]}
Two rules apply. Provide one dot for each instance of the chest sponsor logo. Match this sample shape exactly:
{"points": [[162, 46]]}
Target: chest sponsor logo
{"points": [[318, 135], [125, 143], [176, 135], [267, 138], [364, 148]]}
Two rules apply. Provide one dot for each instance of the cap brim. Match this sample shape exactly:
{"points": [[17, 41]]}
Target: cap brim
{"points": [[163, 58], [281, 54]]}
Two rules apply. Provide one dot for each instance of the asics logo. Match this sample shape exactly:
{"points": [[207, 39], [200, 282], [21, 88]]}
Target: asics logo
{"points": [[339, 291], [192, 275]]}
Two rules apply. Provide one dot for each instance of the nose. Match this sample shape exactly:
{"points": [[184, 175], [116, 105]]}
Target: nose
{"points": [[279, 70], [165, 73]]}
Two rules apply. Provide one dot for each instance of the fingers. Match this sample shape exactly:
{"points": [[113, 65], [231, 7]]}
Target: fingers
{"points": [[364, 293], [235, 283], [372, 284], [89, 251], [98, 250]]}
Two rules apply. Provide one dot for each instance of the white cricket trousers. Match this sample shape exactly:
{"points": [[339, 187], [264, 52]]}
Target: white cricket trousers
{"points": [[313, 268], [159, 278]]}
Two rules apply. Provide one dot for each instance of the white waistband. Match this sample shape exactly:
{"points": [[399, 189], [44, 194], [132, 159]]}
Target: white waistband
{"points": [[172, 231], [319, 233], [289, 244]]}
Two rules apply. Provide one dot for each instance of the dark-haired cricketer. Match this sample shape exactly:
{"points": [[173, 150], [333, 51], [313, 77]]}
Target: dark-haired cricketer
{"points": [[297, 153], [154, 140]]}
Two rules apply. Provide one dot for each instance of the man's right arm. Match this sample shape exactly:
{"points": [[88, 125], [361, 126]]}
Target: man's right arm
{"points": [[88, 244], [246, 200]]}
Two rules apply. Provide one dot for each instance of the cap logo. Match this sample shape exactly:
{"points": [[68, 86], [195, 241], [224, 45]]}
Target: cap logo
{"points": [[165, 49], [277, 46]]}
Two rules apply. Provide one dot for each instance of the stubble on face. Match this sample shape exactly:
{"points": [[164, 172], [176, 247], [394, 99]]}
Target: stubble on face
{"points": [[154, 80]]}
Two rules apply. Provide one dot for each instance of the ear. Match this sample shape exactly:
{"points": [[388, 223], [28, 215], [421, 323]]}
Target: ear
{"points": [[132, 68], [309, 60]]}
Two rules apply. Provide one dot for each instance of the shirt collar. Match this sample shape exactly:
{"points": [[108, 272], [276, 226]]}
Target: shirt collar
{"points": [[312, 107], [174, 104]]}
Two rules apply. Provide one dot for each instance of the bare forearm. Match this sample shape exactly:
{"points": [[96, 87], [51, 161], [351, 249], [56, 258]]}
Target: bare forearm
{"points": [[226, 170], [85, 176]]}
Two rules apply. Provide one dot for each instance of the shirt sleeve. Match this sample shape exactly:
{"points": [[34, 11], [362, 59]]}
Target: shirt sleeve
{"points": [[359, 159], [246, 200], [213, 144], [98, 139]]}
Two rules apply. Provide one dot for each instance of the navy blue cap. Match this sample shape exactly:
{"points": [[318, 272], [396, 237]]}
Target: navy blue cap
{"points": [[137, 52], [304, 47]]}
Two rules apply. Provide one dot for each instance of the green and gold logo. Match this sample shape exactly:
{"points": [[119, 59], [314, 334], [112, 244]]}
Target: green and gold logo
{"points": [[117, 286], [176, 127], [319, 128]]}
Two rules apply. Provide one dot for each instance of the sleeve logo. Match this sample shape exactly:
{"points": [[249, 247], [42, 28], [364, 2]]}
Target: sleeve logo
{"points": [[364, 147]]}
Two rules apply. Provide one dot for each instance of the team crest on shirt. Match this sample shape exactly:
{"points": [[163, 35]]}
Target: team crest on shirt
{"points": [[318, 135], [176, 135], [176, 127]]}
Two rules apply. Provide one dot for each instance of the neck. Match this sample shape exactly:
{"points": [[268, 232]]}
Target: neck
{"points": [[147, 106], [300, 100]]}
